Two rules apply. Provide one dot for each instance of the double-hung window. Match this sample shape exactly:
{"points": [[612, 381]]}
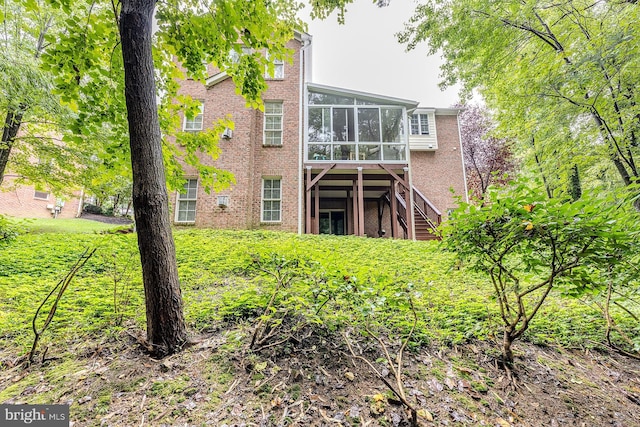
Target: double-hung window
{"points": [[186, 202], [194, 124], [419, 124], [278, 68], [272, 123], [271, 200]]}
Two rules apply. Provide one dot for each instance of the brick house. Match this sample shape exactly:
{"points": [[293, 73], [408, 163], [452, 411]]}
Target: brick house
{"points": [[27, 201], [322, 159]]}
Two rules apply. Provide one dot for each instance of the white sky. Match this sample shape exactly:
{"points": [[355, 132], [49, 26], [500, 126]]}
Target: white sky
{"points": [[364, 55]]}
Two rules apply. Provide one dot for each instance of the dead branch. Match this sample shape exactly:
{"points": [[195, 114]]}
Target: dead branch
{"points": [[61, 286]]}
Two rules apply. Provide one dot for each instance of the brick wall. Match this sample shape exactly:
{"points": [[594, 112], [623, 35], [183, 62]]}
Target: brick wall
{"points": [[245, 156], [434, 173], [19, 201]]}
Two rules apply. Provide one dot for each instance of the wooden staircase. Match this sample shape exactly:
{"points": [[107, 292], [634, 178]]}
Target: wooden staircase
{"points": [[426, 216], [425, 229]]}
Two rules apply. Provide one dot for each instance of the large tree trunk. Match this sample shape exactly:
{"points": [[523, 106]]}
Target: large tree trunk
{"points": [[12, 123], [166, 330]]}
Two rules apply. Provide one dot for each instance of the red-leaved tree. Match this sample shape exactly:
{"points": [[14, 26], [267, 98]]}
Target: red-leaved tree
{"points": [[488, 159]]}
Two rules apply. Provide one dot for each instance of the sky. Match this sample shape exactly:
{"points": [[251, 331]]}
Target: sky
{"points": [[364, 55]]}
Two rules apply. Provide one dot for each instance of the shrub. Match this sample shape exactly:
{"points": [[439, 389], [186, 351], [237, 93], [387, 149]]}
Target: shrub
{"points": [[528, 245]]}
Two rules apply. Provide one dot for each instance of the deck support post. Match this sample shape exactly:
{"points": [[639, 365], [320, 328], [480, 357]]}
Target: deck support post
{"points": [[354, 199], [316, 213], [307, 193], [395, 230], [360, 203]]}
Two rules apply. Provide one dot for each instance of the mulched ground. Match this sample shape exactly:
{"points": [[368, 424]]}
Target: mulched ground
{"points": [[107, 219]]}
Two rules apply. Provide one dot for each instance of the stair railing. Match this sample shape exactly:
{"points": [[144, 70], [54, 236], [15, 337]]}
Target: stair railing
{"points": [[426, 209]]}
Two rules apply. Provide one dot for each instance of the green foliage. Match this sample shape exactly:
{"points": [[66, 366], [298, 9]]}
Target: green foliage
{"points": [[8, 230], [27, 101], [560, 77], [338, 282], [528, 245]]}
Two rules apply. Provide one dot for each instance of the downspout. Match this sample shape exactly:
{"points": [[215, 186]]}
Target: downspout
{"points": [[306, 42], [464, 169]]}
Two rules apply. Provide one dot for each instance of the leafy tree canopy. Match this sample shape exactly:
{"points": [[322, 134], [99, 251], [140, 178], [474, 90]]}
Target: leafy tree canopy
{"points": [[87, 64], [31, 113], [561, 74]]}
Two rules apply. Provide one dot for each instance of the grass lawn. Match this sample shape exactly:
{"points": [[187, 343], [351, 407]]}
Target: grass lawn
{"points": [[65, 225]]}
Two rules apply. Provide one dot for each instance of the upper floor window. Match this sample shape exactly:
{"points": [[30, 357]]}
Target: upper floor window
{"points": [[186, 203], [419, 124], [194, 124], [273, 123], [238, 52], [278, 68]]}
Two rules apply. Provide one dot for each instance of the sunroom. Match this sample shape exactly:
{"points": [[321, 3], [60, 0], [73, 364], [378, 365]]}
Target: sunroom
{"points": [[356, 152]]}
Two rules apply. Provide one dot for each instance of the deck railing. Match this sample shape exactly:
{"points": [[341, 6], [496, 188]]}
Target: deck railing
{"points": [[423, 207], [426, 209]]}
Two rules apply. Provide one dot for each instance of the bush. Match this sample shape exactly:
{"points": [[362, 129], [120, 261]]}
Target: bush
{"points": [[92, 209], [8, 231]]}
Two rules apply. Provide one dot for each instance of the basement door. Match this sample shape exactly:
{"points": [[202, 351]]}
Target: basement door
{"points": [[332, 222]]}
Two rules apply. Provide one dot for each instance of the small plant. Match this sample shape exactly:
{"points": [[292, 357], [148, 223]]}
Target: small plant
{"points": [[394, 363], [121, 270], [287, 303]]}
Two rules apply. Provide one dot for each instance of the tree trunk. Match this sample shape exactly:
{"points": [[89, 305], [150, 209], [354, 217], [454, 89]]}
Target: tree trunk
{"points": [[166, 330], [507, 352], [12, 123]]}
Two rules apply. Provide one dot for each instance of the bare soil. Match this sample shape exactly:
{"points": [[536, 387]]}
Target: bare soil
{"points": [[107, 219], [316, 382]]}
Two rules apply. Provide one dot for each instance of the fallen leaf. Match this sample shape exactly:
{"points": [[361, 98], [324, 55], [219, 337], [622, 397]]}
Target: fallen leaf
{"points": [[349, 375], [462, 385], [276, 402], [425, 414], [451, 383], [378, 397], [502, 422]]}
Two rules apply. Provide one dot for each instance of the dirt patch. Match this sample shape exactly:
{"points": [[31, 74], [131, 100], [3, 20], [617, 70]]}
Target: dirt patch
{"points": [[107, 219], [316, 382]]}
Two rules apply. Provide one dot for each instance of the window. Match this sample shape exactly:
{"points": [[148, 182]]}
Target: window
{"points": [[194, 124], [238, 52], [420, 124], [43, 195], [278, 69], [273, 123], [186, 205], [271, 199]]}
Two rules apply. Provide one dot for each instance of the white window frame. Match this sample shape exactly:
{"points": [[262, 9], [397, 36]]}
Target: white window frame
{"points": [[182, 197], [423, 127], [278, 69], [234, 55], [272, 134], [196, 123], [264, 198], [44, 195]]}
